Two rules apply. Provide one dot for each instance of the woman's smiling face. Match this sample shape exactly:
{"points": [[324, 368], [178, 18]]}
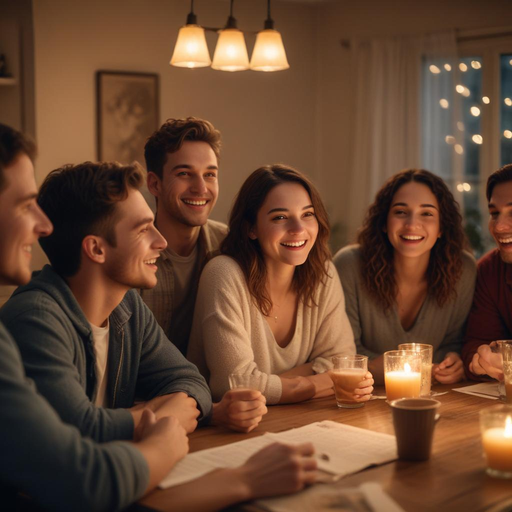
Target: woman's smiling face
{"points": [[413, 223], [286, 226]]}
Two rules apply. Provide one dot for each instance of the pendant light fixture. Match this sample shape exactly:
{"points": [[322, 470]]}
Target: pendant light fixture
{"points": [[230, 54], [191, 50], [269, 53], [231, 51]]}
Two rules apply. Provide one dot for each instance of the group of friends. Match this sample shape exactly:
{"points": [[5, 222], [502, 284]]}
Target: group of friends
{"points": [[128, 337]]}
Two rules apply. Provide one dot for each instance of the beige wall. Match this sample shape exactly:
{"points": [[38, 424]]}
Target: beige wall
{"points": [[368, 19], [301, 116]]}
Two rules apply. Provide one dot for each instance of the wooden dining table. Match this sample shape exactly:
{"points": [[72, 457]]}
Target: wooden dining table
{"points": [[452, 480]]}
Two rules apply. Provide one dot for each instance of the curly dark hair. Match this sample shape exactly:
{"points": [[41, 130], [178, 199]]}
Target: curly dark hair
{"points": [[445, 262], [247, 252], [170, 137]]}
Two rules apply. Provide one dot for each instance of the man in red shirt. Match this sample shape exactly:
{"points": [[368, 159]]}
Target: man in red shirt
{"points": [[490, 318]]}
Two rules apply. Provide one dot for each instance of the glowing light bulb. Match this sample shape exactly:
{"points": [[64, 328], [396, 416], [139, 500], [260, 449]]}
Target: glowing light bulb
{"points": [[475, 64], [463, 67], [477, 139], [486, 100], [507, 134], [434, 69], [459, 149], [449, 139], [444, 103], [475, 111], [447, 67]]}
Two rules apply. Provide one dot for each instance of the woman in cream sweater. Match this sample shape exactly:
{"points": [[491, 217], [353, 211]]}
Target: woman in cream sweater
{"points": [[272, 304]]}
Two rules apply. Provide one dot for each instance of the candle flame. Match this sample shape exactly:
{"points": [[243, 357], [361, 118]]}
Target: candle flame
{"points": [[407, 367], [508, 427]]}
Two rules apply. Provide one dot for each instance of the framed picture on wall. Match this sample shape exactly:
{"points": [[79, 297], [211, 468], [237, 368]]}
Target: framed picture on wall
{"points": [[127, 114]]}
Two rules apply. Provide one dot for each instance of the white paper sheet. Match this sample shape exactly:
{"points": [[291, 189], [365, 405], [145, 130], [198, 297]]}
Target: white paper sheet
{"points": [[483, 390], [348, 449], [368, 496]]}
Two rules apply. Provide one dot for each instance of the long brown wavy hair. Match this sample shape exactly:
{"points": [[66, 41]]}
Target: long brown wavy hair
{"points": [[247, 252], [445, 263]]}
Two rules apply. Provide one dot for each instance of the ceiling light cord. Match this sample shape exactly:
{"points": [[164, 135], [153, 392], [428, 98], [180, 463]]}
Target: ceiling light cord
{"points": [[269, 22]]}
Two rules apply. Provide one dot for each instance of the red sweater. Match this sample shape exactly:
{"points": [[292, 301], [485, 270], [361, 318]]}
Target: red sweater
{"points": [[490, 317]]}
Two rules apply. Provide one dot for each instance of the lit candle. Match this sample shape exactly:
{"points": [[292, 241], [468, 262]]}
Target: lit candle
{"points": [[402, 384], [497, 443]]}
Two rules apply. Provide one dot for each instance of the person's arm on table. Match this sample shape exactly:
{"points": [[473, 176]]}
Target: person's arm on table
{"points": [[484, 323], [163, 370], [275, 470]]}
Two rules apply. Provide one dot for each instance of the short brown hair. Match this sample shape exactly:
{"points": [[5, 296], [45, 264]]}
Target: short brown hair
{"points": [[445, 263], [502, 175], [170, 137], [12, 144], [80, 200], [247, 252]]}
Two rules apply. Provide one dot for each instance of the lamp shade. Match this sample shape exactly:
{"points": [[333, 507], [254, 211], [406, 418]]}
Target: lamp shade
{"points": [[269, 53], [231, 52], [191, 50]]}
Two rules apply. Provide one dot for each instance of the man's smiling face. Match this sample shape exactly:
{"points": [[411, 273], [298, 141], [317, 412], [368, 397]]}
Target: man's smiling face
{"points": [[500, 220], [189, 186]]}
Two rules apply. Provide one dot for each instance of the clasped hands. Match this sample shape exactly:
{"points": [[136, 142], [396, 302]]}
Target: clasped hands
{"points": [[239, 409], [487, 362]]}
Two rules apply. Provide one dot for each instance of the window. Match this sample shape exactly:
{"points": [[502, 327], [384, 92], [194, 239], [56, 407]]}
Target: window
{"points": [[471, 130]]}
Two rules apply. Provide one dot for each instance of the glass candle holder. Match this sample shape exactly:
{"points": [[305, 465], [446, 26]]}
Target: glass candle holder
{"points": [[427, 352], [496, 429], [505, 348], [402, 374], [346, 374]]}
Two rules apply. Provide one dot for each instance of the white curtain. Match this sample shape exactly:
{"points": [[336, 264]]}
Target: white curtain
{"points": [[387, 113]]}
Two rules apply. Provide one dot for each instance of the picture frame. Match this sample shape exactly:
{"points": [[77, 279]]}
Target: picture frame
{"points": [[128, 111]]}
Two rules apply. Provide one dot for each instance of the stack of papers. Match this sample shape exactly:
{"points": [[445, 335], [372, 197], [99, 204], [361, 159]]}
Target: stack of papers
{"points": [[340, 450], [483, 390]]}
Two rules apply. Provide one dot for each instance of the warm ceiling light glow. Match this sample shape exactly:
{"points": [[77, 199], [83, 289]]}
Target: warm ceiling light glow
{"points": [[191, 50], [444, 103], [460, 126], [449, 139], [463, 67], [475, 111], [477, 139], [466, 93], [460, 187], [447, 67], [508, 102], [459, 88], [507, 134], [475, 64], [434, 69], [466, 187], [231, 52], [269, 53], [458, 149], [486, 100]]}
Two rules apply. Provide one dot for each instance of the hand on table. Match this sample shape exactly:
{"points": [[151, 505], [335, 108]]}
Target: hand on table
{"points": [[240, 410], [280, 469], [179, 405], [486, 362], [450, 370]]}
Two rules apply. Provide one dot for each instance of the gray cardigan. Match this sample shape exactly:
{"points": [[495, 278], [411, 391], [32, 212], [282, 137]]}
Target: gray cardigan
{"points": [[56, 346], [377, 331], [50, 461]]}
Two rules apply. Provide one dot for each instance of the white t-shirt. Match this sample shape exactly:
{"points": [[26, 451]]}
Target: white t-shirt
{"points": [[100, 337]]}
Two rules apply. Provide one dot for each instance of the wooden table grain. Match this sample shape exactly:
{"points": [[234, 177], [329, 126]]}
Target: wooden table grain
{"points": [[453, 480]]}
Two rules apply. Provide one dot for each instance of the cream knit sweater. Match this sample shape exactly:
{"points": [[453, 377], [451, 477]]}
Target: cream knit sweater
{"points": [[230, 335]]}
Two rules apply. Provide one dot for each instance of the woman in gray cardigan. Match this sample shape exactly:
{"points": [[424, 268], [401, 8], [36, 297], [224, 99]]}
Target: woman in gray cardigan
{"points": [[409, 278]]}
